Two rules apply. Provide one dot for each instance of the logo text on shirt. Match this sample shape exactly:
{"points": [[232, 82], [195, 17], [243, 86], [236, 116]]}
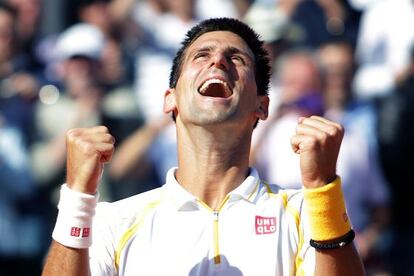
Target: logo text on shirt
{"points": [[265, 225]]}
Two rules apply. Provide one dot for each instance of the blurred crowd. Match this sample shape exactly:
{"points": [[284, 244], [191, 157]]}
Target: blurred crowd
{"points": [[67, 63]]}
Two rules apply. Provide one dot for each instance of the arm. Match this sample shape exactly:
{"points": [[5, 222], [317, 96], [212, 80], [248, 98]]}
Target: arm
{"points": [[342, 261], [63, 260], [48, 153], [133, 151], [318, 140], [87, 151]]}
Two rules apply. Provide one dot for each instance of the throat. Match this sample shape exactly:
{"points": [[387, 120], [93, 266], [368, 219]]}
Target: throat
{"points": [[210, 185]]}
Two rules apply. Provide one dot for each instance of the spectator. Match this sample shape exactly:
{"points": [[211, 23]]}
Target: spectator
{"points": [[154, 143], [325, 20], [152, 149], [28, 33], [383, 47], [22, 242], [77, 104], [21, 226], [273, 24]]}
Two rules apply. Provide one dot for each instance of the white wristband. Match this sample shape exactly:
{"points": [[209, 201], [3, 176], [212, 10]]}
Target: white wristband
{"points": [[74, 222]]}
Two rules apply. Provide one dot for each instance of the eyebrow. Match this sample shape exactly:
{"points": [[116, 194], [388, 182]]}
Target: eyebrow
{"points": [[230, 50], [202, 49]]}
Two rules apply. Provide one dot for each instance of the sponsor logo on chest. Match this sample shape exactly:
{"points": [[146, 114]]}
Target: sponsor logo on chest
{"points": [[265, 225]]}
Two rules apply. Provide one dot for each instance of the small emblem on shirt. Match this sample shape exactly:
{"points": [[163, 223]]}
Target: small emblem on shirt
{"points": [[265, 225]]}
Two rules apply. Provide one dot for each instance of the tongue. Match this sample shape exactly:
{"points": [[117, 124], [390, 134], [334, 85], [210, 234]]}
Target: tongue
{"points": [[215, 90]]}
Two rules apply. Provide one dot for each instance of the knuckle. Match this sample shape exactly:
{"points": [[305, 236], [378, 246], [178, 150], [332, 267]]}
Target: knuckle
{"points": [[332, 130], [72, 133], [109, 138], [311, 142], [102, 129], [323, 137], [337, 130], [87, 147], [341, 129]]}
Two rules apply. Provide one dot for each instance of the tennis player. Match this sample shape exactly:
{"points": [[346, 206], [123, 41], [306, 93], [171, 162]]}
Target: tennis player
{"points": [[214, 215]]}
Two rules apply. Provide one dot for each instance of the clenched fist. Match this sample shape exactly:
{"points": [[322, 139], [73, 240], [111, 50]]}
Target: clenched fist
{"points": [[317, 140], [87, 151]]}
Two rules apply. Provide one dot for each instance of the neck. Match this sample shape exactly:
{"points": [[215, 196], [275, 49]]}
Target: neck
{"points": [[212, 163]]}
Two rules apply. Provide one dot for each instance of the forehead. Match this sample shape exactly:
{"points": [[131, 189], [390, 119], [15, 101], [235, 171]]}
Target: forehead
{"points": [[221, 40]]}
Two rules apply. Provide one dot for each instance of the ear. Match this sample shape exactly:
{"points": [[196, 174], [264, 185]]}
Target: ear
{"points": [[262, 109], [169, 101]]}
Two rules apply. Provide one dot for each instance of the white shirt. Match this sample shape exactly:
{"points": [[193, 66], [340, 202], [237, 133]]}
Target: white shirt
{"points": [[258, 230]]}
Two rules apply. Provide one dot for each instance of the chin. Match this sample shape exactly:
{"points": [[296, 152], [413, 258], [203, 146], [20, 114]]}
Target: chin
{"points": [[215, 119]]}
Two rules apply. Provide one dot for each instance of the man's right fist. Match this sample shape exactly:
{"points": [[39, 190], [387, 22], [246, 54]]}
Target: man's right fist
{"points": [[87, 151]]}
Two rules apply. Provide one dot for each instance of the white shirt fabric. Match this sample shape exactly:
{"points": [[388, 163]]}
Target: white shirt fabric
{"points": [[258, 230]]}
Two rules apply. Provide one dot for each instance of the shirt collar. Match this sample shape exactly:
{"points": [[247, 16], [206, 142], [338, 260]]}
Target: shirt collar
{"points": [[183, 200], [248, 187]]}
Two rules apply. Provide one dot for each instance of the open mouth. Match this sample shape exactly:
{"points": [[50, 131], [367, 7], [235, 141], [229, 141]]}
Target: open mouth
{"points": [[215, 88]]}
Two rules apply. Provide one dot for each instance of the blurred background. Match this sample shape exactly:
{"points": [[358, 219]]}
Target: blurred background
{"points": [[78, 63]]}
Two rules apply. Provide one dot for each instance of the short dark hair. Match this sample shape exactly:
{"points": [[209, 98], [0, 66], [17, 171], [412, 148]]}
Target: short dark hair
{"points": [[261, 60]]}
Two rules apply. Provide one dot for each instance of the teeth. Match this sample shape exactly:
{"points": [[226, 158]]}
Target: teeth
{"points": [[205, 85]]}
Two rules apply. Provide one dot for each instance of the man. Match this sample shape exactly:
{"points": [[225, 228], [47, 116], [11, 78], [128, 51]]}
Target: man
{"points": [[214, 216]]}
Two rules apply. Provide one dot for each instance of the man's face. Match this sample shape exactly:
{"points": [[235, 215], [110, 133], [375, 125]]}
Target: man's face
{"points": [[217, 82]]}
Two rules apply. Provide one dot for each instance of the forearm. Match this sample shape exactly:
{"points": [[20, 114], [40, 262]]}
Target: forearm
{"points": [[48, 158], [65, 261], [87, 151], [342, 261], [133, 151]]}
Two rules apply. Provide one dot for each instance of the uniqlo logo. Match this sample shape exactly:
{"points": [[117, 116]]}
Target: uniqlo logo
{"points": [[86, 232], [75, 231], [265, 225]]}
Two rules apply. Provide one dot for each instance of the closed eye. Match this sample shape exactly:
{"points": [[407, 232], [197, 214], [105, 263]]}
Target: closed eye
{"points": [[237, 59], [199, 55]]}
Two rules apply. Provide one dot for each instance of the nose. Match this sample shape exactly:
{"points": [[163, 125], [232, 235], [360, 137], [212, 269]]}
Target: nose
{"points": [[219, 60]]}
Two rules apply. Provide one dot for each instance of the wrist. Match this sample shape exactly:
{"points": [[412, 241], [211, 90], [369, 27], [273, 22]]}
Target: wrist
{"points": [[318, 183], [82, 189], [325, 207], [74, 222]]}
